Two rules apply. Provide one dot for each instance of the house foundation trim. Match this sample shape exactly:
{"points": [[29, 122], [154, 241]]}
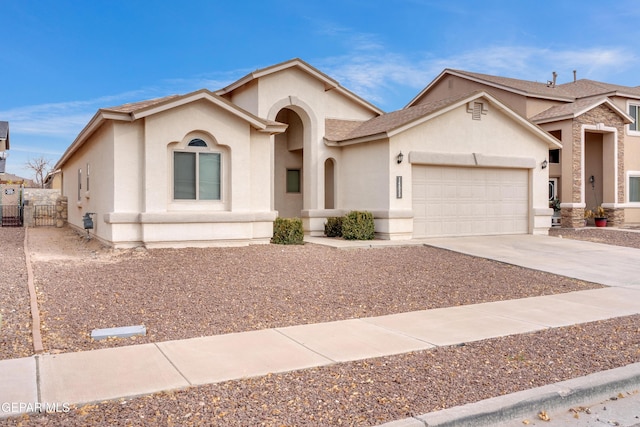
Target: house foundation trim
{"points": [[187, 217]]}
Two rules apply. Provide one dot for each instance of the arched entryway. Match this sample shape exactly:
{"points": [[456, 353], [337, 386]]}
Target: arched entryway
{"points": [[288, 165]]}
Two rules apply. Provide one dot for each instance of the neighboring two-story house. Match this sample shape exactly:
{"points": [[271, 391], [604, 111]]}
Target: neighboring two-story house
{"points": [[599, 164]]}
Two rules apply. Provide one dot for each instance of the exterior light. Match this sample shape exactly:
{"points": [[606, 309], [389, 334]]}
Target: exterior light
{"points": [[544, 164], [400, 157]]}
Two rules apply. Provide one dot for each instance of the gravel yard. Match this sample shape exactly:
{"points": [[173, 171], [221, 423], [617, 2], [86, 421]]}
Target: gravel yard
{"points": [[186, 293], [84, 286]]}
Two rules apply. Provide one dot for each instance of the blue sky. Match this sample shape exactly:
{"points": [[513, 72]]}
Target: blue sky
{"points": [[62, 60]]}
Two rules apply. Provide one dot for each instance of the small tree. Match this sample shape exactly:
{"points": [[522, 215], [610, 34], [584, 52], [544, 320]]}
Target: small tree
{"points": [[41, 167]]}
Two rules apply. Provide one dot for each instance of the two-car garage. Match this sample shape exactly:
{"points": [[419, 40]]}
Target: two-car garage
{"points": [[457, 201]]}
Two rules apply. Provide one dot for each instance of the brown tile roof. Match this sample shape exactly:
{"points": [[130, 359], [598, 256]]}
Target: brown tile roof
{"points": [[526, 86], [571, 109], [574, 109], [337, 130], [585, 88], [573, 90], [343, 130], [137, 106]]}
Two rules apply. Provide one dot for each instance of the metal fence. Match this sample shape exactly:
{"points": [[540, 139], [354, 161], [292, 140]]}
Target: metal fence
{"points": [[44, 215], [12, 215]]}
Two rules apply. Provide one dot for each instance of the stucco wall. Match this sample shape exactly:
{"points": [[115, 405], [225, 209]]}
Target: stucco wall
{"points": [[364, 177], [98, 153]]}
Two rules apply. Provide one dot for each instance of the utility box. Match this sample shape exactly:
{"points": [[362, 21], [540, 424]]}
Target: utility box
{"points": [[87, 221]]}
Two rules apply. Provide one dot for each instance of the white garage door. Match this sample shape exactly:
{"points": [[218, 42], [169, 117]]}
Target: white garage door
{"points": [[457, 201]]}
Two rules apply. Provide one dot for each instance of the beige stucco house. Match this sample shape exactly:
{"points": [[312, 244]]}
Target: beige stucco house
{"points": [[599, 164], [216, 168]]}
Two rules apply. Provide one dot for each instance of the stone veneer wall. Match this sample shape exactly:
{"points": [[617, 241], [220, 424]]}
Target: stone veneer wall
{"points": [[61, 211], [574, 217], [37, 196]]}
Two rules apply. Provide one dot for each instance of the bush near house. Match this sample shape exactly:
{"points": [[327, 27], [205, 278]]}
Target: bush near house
{"points": [[287, 231], [358, 225], [333, 227]]}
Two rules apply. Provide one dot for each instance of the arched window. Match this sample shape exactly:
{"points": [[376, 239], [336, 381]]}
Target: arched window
{"points": [[196, 172]]}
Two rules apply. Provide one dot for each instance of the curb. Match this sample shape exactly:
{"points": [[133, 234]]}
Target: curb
{"points": [[33, 298], [527, 403]]}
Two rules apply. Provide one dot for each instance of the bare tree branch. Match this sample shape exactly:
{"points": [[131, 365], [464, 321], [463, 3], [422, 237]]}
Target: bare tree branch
{"points": [[41, 167]]}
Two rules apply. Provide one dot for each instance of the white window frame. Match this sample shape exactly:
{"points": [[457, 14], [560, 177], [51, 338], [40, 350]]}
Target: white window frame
{"points": [[631, 174], [197, 151], [636, 131]]}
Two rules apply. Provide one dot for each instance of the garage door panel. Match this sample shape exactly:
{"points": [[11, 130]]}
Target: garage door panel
{"points": [[450, 201]]}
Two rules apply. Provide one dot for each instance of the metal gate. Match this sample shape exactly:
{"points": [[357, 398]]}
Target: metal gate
{"points": [[11, 215], [11, 205], [44, 215]]}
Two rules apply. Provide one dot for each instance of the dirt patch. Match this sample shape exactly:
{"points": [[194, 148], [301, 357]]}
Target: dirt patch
{"points": [[50, 244]]}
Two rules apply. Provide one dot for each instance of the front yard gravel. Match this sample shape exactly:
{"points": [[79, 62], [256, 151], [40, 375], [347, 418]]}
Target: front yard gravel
{"points": [[186, 293], [192, 292]]}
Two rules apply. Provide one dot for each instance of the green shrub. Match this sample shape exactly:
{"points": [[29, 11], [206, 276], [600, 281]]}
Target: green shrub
{"points": [[333, 226], [358, 225], [287, 231]]}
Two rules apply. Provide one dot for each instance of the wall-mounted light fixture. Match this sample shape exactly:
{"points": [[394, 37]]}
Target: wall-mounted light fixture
{"points": [[400, 157], [544, 164]]}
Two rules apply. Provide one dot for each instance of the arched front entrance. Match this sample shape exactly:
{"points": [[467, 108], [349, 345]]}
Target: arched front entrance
{"points": [[288, 165]]}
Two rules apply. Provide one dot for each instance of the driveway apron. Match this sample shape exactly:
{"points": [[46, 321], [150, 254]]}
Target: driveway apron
{"points": [[592, 262]]}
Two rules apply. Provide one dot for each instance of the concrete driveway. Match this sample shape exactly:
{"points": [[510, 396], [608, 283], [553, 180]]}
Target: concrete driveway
{"points": [[593, 262]]}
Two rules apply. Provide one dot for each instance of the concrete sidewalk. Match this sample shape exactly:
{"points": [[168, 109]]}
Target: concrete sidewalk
{"points": [[74, 378], [90, 376]]}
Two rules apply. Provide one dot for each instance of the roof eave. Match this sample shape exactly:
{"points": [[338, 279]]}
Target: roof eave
{"points": [[553, 119], [96, 121], [605, 101], [275, 128], [359, 140], [205, 94]]}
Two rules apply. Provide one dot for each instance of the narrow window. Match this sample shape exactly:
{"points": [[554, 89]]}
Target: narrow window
{"points": [[293, 180], [634, 188], [633, 112], [79, 184], [87, 177], [209, 176], [184, 176]]}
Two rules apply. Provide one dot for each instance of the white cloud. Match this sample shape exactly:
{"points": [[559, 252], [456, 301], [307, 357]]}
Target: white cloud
{"points": [[61, 118], [379, 77]]}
